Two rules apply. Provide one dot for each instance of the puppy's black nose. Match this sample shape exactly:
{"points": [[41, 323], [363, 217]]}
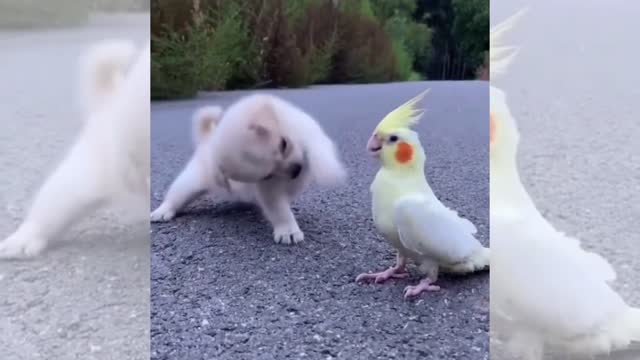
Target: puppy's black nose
{"points": [[295, 170]]}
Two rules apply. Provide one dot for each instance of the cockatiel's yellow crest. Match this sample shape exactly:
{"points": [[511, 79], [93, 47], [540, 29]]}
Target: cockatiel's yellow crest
{"points": [[501, 125], [404, 116], [500, 56]]}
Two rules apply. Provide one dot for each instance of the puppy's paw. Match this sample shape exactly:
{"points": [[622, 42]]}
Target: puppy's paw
{"points": [[164, 212], [22, 244], [288, 234]]}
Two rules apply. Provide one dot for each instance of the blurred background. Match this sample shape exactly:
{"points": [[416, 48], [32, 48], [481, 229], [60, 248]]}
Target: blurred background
{"points": [[243, 44], [25, 14]]}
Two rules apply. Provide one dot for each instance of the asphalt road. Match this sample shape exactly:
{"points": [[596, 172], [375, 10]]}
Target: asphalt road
{"points": [[89, 298], [575, 99], [222, 289]]}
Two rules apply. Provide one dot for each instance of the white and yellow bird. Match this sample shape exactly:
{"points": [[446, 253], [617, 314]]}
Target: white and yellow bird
{"points": [[407, 212], [546, 290]]}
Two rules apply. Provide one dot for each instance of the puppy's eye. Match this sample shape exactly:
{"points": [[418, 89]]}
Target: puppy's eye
{"points": [[393, 138], [283, 145]]}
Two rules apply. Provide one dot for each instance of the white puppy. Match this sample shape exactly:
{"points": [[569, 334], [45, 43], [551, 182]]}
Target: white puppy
{"points": [[263, 150], [110, 159]]}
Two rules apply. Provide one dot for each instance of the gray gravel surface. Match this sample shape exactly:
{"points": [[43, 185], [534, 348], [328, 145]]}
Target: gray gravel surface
{"points": [[222, 289], [575, 100], [89, 298]]}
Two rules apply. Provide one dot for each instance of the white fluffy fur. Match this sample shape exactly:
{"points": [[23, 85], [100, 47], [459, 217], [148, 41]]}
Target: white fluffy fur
{"points": [[110, 158], [217, 166]]}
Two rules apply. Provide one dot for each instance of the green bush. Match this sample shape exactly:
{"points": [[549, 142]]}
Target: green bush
{"points": [[317, 40], [362, 8], [229, 54], [364, 52], [280, 60], [202, 56], [174, 75], [418, 41], [24, 14], [412, 43], [231, 44], [226, 44], [404, 61]]}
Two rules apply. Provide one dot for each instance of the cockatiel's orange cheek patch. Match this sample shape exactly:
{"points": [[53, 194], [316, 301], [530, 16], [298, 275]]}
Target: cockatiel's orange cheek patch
{"points": [[404, 152]]}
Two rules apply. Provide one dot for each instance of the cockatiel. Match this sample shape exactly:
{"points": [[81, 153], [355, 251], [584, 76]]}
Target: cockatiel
{"points": [[546, 290], [409, 215]]}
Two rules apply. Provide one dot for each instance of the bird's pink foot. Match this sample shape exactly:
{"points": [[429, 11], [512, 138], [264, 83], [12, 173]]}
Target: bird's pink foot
{"points": [[424, 285], [380, 277]]}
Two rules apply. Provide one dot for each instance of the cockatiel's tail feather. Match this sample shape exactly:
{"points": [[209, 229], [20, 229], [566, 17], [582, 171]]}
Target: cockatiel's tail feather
{"points": [[429, 228], [479, 260], [501, 56], [404, 116]]}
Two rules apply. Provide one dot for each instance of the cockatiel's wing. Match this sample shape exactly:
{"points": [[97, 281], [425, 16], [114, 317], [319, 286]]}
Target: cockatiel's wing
{"points": [[429, 228], [537, 224], [598, 265]]}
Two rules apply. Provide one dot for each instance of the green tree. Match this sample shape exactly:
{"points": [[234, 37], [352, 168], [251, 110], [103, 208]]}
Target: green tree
{"points": [[470, 29], [438, 14], [385, 9]]}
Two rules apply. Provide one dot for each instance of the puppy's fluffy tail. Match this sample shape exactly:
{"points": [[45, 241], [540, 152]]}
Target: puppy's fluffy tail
{"points": [[205, 121], [102, 68]]}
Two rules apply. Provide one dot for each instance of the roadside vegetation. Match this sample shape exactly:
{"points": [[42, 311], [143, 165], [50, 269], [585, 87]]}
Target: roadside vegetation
{"points": [[238, 44]]}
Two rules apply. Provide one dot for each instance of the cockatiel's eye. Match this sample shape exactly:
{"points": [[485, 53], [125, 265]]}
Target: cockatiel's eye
{"points": [[393, 138]]}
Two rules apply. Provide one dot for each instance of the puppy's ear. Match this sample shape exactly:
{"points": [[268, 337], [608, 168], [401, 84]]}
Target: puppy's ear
{"points": [[264, 122]]}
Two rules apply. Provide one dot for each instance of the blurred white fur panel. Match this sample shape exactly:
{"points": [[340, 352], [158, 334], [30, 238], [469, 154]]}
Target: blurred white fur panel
{"points": [[109, 161], [557, 296]]}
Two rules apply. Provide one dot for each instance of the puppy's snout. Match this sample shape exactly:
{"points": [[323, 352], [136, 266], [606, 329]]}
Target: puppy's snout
{"points": [[295, 170]]}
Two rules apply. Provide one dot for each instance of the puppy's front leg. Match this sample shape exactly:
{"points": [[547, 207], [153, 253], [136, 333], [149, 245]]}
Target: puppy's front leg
{"points": [[276, 208], [190, 184], [76, 188]]}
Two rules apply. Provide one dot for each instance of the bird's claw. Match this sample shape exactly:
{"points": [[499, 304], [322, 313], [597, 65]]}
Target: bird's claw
{"points": [[380, 277], [424, 285]]}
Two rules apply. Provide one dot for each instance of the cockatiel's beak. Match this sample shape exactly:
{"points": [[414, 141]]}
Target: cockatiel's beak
{"points": [[374, 145]]}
